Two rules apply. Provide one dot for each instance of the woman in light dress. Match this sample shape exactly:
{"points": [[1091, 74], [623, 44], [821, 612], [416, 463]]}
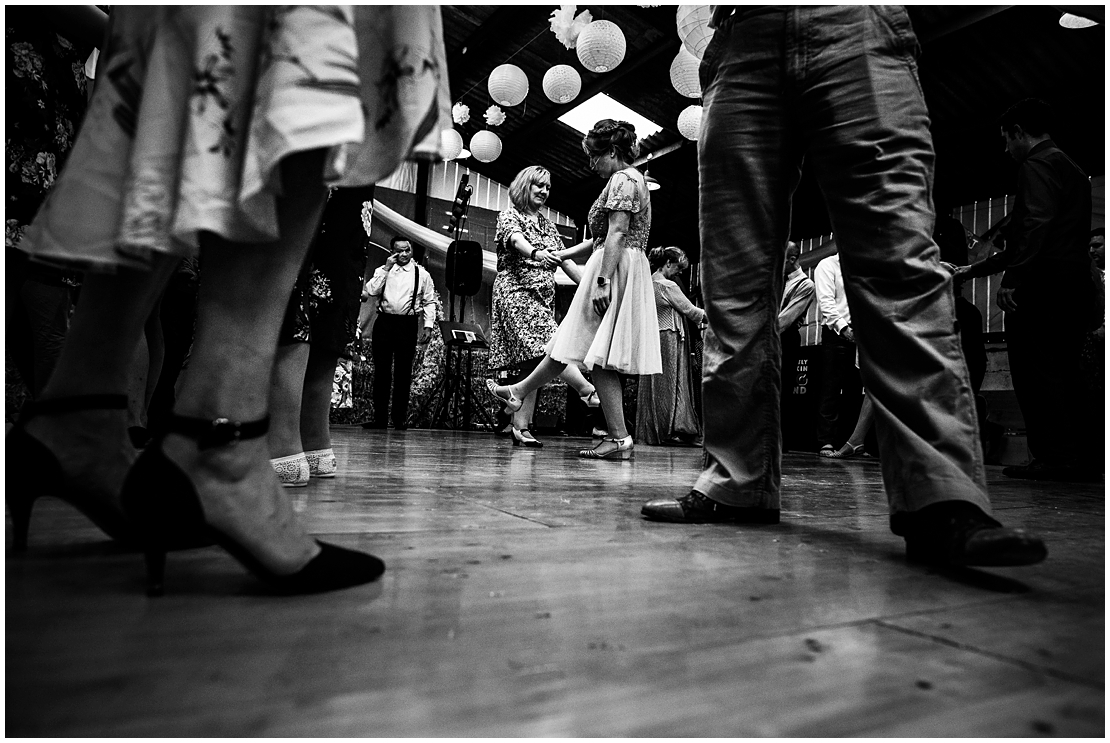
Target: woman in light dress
{"points": [[611, 325]]}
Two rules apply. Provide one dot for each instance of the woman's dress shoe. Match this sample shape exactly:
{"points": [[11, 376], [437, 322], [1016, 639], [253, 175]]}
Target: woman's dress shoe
{"points": [[33, 471], [166, 509]]}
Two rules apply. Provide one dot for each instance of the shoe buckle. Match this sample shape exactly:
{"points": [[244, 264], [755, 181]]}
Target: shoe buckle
{"points": [[221, 432]]}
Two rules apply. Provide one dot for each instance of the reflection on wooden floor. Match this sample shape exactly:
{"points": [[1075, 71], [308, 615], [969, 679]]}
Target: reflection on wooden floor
{"points": [[525, 596]]}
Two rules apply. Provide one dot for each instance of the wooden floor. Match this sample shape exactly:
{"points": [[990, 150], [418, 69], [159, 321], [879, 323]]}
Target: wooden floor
{"points": [[525, 596]]}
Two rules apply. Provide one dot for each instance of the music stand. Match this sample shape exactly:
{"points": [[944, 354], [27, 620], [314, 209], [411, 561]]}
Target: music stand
{"points": [[459, 339]]}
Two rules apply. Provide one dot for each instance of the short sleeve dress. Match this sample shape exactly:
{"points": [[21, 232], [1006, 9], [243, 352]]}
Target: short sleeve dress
{"points": [[197, 106], [626, 338], [523, 318]]}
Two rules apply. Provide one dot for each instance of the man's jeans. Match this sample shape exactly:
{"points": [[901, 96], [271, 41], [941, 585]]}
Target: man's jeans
{"points": [[837, 85]]}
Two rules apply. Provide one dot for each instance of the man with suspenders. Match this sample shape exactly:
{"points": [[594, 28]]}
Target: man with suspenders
{"points": [[405, 293]]}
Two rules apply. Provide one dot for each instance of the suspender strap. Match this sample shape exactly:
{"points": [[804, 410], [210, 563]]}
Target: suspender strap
{"points": [[415, 289]]}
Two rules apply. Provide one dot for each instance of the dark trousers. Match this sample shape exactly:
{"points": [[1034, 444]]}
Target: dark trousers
{"points": [[393, 347], [1045, 342], [838, 372]]}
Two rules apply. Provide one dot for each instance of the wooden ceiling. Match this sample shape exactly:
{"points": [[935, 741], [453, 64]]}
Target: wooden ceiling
{"points": [[975, 61]]}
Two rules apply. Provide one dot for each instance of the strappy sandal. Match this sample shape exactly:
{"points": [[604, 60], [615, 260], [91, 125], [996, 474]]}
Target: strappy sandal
{"points": [[512, 402], [622, 452]]}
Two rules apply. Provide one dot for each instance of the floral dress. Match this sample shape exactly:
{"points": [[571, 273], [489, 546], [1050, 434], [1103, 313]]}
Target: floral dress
{"points": [[45, 100], [523, 318], [198, 105], [626, 338]]}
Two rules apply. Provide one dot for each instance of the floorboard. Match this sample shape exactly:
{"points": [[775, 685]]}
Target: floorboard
{"points": [[525, 596]]}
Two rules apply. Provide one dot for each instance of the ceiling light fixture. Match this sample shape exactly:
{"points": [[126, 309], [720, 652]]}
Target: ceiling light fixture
{"points": [[652, 184], [1070, 20]]}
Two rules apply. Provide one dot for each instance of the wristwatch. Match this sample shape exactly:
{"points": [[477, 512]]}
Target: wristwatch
{"points": [[534, 251], [602, 281]]}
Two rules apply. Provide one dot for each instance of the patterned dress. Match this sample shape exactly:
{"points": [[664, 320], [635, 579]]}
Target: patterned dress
{"points": [[665, 407], [198, 105], [626, 338], [523, 318]]}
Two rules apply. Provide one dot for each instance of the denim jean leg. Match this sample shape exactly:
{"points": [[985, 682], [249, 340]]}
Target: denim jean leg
{"points": [[867, 128], [748, 169]]}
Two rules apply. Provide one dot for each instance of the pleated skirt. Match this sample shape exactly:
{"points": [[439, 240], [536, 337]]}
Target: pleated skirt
{"points": [[626, 338], [195, 107]]}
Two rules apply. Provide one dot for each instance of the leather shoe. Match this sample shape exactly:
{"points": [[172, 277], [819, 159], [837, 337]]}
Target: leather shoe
{"points": [[958, 533], [695, 508]]}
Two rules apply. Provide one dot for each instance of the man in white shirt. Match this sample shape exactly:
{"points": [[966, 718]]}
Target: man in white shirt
{"points": [[797, 296], [838, 347], [405, 294]]}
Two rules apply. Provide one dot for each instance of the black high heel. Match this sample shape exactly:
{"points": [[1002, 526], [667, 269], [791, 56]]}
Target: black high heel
{"points": [[524, 437], [34, 471], [162, 502]]}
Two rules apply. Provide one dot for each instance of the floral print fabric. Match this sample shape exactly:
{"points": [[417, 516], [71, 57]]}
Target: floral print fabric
{"points": [[626, 191], [522, 320], [198, 105]]}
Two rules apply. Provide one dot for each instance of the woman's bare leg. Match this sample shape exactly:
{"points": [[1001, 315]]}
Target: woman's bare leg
{"points": [[286, 387], [242, 300]]}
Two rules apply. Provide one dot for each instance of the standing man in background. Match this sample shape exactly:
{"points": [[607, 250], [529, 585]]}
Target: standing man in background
{"points": [[838, 348], [1048, 297], [405, 295], [797, 296]]}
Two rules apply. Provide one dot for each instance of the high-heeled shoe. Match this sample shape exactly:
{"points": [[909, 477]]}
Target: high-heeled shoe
{"points": [[524, 437], [34, 471], [622, 452], [163, 504], [591, 399], [512, 402]]}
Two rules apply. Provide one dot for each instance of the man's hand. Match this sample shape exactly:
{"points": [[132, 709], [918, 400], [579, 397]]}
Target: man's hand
{"points": [[1006, 301], [847, 334], [391, 261], [424, 336], [600, 297]]}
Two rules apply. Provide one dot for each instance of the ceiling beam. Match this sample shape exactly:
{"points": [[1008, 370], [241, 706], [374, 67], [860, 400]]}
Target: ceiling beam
{"points": [[602, 83], [507, 22], [972, 14]]}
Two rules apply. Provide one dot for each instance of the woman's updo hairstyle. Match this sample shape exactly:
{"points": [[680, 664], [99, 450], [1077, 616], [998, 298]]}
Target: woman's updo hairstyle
{"points": [[658, 258], [608, 134]]}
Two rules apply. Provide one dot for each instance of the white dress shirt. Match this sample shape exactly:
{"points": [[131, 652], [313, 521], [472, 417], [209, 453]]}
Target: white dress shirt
{"points": [[395, 291], [831, 300]]}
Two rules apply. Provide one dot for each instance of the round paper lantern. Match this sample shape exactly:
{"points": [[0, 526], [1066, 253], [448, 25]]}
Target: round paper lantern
{"points": [[562, 83], [450, 144], [684, 74], [689, 122], [693, 28], [508, 84], [601, 46], [485, 146]]}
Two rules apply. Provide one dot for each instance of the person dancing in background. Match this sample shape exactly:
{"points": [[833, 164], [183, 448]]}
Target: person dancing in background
{"points": [[159, 168], [522, 321], [665, 404], [611, 326]]}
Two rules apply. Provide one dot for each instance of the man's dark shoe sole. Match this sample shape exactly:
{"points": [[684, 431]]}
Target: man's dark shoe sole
{"points": [[990, 548]]}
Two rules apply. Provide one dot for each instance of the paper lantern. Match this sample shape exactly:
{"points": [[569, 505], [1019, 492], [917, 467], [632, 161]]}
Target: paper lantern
{"points": [[485, 146], [601, 46], [689, 122], [562, 83], [508, 84], [684, 74], [450, 144], [693, 28]]}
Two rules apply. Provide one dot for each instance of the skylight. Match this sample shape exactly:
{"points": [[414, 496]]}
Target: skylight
{"points": [[582, 117]]}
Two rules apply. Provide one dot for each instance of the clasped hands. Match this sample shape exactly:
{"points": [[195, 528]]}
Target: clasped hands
{"points": [[549, 258]]}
